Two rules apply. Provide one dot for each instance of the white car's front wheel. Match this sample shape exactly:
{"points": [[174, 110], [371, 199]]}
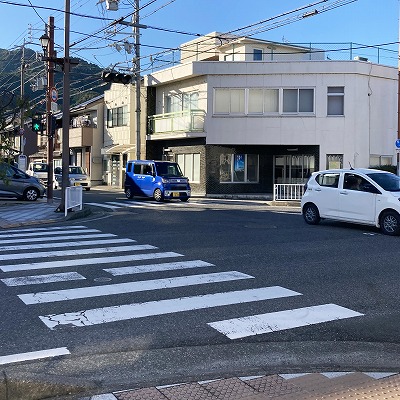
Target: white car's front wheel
{"points": [[311, 214], [390, 223]]}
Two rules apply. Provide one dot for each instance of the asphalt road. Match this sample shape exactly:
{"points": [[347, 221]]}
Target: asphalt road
{"points": [[335, 302]]}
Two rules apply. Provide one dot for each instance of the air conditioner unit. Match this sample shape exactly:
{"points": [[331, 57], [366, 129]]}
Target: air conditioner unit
{"points": [[358, 58]]}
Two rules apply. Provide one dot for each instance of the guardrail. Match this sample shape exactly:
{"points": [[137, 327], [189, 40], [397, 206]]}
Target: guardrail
{"points": [[288, 191], [73, 198]]}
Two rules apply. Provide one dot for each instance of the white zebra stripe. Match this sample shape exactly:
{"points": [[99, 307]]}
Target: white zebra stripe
{"points": [[86, 261], [276, 321], [104, 205], [65, 244], [34, 355], [62, 253], [39, 279], [139, 310], [130, 287], [139, 269], [46, 233], [59, 238]]}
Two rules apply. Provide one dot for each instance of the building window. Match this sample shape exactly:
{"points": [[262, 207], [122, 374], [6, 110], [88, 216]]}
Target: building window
{"points": [[190, 166], [298, 101], [181, 102], [239, 168], [334, 161], [257, 54], [335, 100], [117, 116], [229, 101], [379, 161], [263, 101], [293, 168]]}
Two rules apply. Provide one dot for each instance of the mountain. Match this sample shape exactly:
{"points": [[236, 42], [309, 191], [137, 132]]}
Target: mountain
{"points": [[85, 78]]}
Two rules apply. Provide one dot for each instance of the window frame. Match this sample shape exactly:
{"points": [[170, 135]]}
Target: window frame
{"points": [[335, 95], [235, 167]]}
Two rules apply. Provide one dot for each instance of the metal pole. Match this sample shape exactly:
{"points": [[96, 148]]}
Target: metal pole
{"points": [[136, 31], [22, 122], [66, 106], [49, 119]]}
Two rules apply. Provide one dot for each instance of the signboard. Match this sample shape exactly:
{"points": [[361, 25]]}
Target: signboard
{"points": [[53, 94], [22, 162], [54, 106], [397, 143]]}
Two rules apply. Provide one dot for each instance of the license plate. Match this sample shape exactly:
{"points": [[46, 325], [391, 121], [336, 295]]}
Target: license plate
{"points": [[175, 194]]}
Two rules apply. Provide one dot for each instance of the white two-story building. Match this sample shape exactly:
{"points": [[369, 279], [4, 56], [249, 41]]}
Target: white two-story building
{"points": [[241, 114]]}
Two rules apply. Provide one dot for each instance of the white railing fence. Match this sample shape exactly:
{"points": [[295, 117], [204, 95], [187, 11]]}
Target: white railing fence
{"points": [[73, 198], [288, 191]]}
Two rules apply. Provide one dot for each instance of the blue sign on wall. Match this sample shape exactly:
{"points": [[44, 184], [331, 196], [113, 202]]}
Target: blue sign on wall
{"points": [[398, 143]]}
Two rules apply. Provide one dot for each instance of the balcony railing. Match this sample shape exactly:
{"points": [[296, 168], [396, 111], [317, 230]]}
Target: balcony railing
{"points": [[181, 121]]}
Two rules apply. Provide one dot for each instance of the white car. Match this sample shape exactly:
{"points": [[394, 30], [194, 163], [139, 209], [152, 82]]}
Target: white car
{"points": [[364, 196]]}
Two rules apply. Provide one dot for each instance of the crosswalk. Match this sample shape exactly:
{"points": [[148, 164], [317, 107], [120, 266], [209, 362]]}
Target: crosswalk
{"points": [[56, 250]]}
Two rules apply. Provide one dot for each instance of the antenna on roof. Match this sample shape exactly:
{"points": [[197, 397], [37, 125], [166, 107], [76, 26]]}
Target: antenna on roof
{"points": [[350, 166]]}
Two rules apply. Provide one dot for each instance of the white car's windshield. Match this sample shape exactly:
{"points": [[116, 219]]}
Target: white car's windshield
{"points": [[386, 181], [76, 171]]}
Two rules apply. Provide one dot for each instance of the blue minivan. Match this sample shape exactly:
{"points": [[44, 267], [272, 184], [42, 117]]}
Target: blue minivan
{"points": [[161, 180]]}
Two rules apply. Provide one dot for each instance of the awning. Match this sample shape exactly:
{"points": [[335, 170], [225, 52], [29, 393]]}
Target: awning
{"points": [[118, 149]]}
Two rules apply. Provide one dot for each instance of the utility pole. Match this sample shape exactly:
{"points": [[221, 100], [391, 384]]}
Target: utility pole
{"points": [[22, 121], [136, 32], [66, 106], [49, 117]]}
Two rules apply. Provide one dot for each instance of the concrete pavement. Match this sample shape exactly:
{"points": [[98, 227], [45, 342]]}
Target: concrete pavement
{"points": [[328, 385]]}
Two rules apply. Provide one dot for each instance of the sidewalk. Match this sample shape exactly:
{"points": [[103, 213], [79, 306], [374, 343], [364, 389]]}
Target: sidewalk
{"points": [[307, 386], [323, 386]]}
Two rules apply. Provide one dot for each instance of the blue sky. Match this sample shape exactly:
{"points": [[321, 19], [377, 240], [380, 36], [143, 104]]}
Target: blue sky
{"points": [[368, 22]]}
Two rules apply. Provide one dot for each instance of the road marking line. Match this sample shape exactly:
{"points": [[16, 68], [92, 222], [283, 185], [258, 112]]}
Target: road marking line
{"points": [[62, 253], [39, 279], [52, 233], [54, 228], [66, 244], [86, 261], [131, 287], [34, 355], [139, 310], [272, 322], [104, 205], [139, 269], [59, 238], [136, 203]]}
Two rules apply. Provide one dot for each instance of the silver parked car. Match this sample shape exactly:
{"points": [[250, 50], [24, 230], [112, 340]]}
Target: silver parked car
{"points": [[77, 177], [16, 183]]}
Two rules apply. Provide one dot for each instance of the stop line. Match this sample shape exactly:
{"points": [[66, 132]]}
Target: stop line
{"points": [[137, 260]]}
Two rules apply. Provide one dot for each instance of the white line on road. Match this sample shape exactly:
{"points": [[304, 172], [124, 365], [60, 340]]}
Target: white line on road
{"points": [[136, 203], [139, 269], [28, 230], [139, 310], [104, 205], [59, 238], [86, 261], [62, 253], [52, 233], [272, 322], [65, 244], [39, 279], [130, 287], [34, 355]]}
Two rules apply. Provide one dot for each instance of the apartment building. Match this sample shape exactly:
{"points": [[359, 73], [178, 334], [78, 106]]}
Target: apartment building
{"points": [[241, 114]]}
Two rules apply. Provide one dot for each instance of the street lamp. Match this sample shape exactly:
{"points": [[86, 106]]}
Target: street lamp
{"points": [[44, 41]]}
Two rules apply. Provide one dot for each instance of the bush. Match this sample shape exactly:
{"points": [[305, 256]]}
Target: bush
{"points": [[389, 168]]}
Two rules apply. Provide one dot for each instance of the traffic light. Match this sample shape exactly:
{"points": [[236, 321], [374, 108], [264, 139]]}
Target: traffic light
{"points": [[37, 126], [116, 77]]}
